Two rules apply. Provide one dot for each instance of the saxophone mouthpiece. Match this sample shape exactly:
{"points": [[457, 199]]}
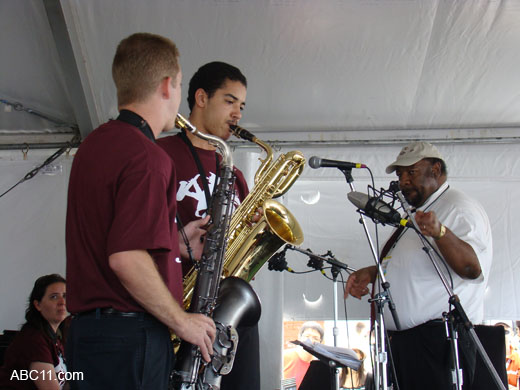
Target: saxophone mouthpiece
{"points": [[183, 124], [242, 133]]}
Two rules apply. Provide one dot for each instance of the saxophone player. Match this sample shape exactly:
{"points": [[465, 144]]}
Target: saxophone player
{"points": [[216, 98], [124, 283]]}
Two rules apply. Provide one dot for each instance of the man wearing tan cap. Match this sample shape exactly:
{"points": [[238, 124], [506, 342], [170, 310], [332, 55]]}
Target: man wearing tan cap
{"points": [[459, 229]]}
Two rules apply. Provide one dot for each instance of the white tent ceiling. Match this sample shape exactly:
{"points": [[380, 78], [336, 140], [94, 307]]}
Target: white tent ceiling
{"points": [[328, 70]]}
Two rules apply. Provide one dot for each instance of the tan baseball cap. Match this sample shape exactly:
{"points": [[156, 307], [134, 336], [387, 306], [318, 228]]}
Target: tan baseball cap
{"points": [[413, 153]]}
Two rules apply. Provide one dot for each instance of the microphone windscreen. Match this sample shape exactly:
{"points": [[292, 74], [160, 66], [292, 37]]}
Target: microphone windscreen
{"points": [[315, 162], [358, 199]]}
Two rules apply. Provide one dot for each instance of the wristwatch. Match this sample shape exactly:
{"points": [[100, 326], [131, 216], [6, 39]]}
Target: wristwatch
{"points": [[441, 233]]}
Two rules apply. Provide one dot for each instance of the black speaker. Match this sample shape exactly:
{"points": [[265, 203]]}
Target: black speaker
{"points": [[493, 341]]}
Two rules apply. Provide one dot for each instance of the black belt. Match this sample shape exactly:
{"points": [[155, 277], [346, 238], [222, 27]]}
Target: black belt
{"points": [[429, 324], [111, 312], [434, 322]]}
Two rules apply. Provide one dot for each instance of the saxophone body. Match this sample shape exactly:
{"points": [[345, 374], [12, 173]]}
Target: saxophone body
{"points": [[229, 305], [249, 246]]}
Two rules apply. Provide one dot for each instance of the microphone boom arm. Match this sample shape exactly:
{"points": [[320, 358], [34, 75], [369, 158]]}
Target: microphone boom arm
{"points": [[329, 260]]}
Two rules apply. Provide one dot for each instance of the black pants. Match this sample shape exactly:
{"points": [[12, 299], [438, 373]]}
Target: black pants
{"points": [[119, 353], [423, 361], [246, 368]]}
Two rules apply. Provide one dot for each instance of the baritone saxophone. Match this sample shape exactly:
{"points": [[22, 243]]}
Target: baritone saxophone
{"points": [[249, 246], [230, 303]]}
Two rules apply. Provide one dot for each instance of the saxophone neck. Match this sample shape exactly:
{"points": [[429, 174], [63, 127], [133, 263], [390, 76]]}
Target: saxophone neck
{"points": [[223, 148], [265, 163], [242, 133]]}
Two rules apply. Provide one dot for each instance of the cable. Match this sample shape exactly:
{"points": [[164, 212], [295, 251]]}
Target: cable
{"points": [[58, 122], [441, 259], [186, 241], [391, 359], [50, 159]]}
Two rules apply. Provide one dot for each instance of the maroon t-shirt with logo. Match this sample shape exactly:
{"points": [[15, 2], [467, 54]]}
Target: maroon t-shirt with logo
{"points": [[191, 199], [121, 197]]}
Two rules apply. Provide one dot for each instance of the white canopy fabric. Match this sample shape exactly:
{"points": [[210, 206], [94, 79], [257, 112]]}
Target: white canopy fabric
{"points": [[312, 66]]}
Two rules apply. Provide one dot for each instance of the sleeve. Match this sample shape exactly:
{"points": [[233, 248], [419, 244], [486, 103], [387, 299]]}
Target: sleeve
{"points": [[469, 222], [141, 214], [241, 184], [36, 348]]}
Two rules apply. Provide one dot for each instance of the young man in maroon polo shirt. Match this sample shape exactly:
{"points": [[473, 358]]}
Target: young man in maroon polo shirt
{"points": [[216, 97], [123, 258]]}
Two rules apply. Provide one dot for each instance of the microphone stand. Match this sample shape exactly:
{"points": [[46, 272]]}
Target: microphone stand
{"points": [[379, 300], [458, 318], [336, 266]]}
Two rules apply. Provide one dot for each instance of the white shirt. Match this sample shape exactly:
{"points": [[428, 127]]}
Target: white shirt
{"points": [[415, 286]]}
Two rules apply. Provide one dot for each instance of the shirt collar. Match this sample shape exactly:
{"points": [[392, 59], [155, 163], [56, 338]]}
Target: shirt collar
{"points": [[433, 197]]}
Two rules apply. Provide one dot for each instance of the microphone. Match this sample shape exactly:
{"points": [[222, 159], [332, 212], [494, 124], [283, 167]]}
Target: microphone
{"points": [[315, 262], [376, 209], [278, 262], [317, 162], [394, 187]]}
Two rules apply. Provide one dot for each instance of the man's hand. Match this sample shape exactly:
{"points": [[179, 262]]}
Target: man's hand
{"points": [[428, 223], [137, 272], [357, 282], [199, 330], [257, 215], [195, 232], [458, 254]]}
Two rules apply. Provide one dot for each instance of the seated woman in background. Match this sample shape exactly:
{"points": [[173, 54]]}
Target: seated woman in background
{"points": [[34, 360]]}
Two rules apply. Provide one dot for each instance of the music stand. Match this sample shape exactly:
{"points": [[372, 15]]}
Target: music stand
{"points": [[330, 359], [315, 261]]}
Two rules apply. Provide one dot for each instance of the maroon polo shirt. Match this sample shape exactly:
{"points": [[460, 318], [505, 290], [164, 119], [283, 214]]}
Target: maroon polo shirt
{"points": [[121, 197]]}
